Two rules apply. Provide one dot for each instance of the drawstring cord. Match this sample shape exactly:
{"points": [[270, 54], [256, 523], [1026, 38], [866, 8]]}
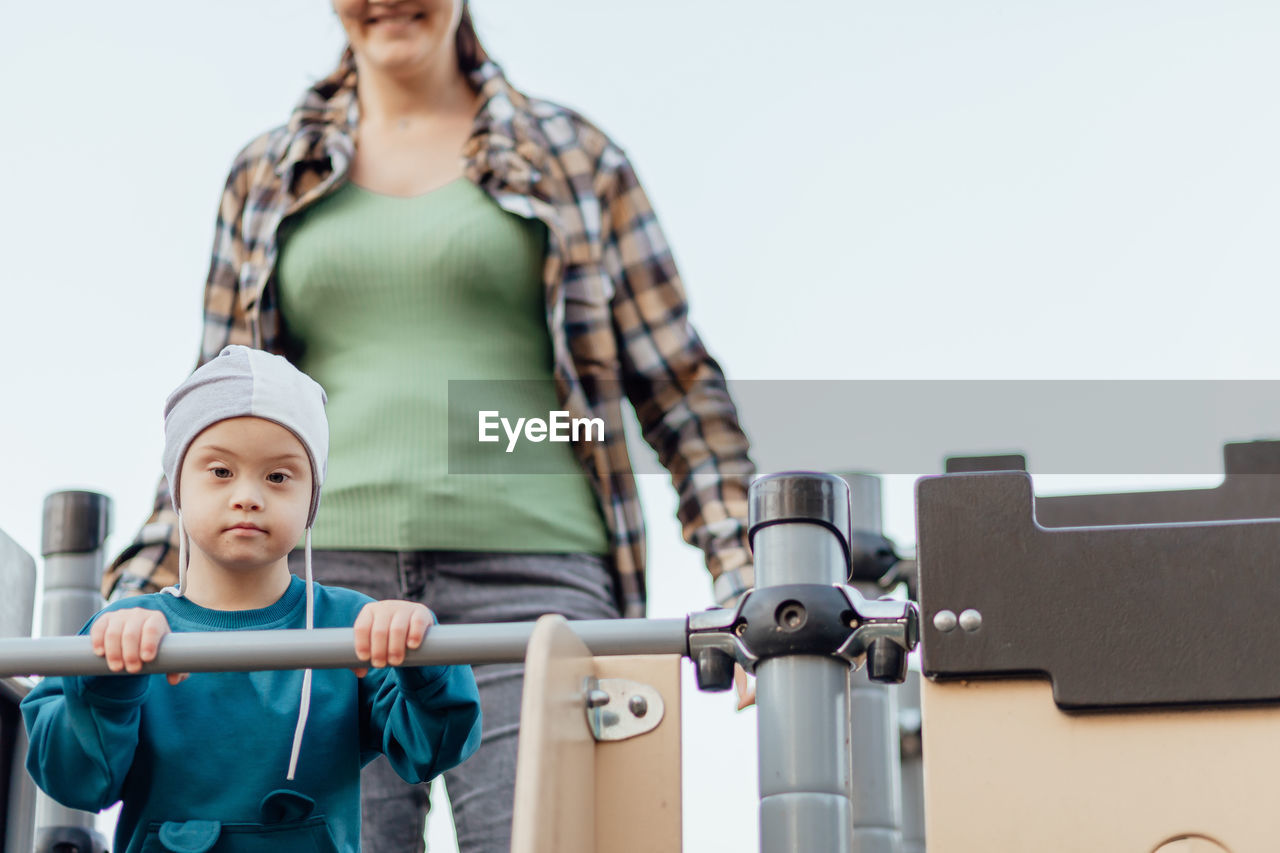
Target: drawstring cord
{"points": [[304, 707], [177, 591]]}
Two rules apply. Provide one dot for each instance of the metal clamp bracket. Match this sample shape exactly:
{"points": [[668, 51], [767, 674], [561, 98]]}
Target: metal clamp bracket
{"points": [[618, 708], [804, 619]]}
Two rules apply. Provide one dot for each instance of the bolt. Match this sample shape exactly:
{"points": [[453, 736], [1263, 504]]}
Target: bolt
{"points": [[944, 621], [597, 698], [970, 620], [639, 707], [791, 615]]}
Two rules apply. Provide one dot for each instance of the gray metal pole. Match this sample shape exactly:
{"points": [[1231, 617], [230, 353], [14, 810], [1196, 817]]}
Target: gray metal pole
{"points": [[72, 541], [17, 606], [18, 821], [73, 538], [912, 764], [797, 523], [334, 648], [18, 580], [876, 776]]}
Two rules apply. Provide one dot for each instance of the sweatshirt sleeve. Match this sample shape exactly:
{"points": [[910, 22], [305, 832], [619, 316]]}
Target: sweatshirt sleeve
{"points": [[82, 734], [426, 719]]}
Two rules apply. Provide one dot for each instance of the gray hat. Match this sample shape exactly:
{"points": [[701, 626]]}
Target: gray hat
{"points": [[243, 382]]}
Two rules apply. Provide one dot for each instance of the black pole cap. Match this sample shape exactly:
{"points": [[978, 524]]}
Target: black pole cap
{"points": [[714, 670], [801, 496], [886, 662], [75, 522]]}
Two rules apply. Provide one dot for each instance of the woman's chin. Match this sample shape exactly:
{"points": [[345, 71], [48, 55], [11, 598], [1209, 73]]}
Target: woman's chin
{"points": [[398, 57]]}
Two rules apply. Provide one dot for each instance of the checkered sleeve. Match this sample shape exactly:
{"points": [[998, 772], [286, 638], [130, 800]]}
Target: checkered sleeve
{"points": [[678, 391], [150, 562]]}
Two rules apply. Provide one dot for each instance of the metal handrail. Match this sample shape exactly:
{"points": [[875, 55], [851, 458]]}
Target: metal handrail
{"points": [[334, 648]]}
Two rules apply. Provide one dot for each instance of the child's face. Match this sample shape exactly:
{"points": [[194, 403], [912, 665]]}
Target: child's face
{"points": [[245, 492]]}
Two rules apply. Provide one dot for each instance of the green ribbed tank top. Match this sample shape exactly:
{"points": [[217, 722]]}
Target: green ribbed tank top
{"points": [[391, 298]]}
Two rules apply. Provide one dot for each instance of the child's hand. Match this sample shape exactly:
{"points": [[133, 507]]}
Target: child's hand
{"points": [[385, 630], [129, 638]]}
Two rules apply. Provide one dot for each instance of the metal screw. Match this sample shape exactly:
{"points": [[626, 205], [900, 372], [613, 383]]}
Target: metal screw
{"points": [[638, 705], [791, 615], [970, 620], [608, 718], [740, 628], [597, 698], [944, 621]]}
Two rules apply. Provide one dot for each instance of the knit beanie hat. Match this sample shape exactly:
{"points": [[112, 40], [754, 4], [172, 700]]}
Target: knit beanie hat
{"points": [[244, 382]]}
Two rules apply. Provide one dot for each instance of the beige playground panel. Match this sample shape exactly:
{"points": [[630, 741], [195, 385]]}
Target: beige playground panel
{"points": [[1007, 772], [574, 795]]}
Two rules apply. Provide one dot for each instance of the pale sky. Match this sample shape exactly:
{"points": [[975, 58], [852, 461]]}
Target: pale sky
{"points": [[853, 190]]}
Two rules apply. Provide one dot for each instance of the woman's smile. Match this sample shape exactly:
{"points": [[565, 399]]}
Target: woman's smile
{"points": [[394, 17]]}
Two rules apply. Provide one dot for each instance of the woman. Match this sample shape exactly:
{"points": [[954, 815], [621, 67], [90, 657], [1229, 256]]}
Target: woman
{"points": [[418, 221]]}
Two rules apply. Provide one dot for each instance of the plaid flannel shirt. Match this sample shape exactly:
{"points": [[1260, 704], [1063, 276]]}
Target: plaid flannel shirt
{"points": [[616, 312]]}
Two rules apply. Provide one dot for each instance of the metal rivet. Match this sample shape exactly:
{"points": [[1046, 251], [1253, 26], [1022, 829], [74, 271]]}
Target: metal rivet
{"points": [[597, 698], [970, 620], [944, 621], [638, 706]]}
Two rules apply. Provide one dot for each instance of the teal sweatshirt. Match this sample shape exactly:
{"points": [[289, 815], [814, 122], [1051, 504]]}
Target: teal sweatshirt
{"points": [[201, 765]]}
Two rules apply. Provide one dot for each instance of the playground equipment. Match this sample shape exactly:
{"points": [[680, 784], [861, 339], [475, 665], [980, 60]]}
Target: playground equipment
{"points": [[17, 793], [587, 719], [887, 791], [1095, 676], [73, 537], [74, 531], [1098, 674]]}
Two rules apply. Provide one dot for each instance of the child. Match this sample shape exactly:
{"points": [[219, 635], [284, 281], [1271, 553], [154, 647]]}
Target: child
{"points": [[227, 761]]}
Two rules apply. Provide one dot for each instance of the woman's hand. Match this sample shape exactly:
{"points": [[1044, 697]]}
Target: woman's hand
{"points": [[386, 630], [129, 638], [746, 689]]}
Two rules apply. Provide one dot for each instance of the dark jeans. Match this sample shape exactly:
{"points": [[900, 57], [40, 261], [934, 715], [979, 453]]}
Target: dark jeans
{"points": [[463, 587]]}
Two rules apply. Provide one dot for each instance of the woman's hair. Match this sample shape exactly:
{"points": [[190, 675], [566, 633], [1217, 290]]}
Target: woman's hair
{"points": [[467, 44]]}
